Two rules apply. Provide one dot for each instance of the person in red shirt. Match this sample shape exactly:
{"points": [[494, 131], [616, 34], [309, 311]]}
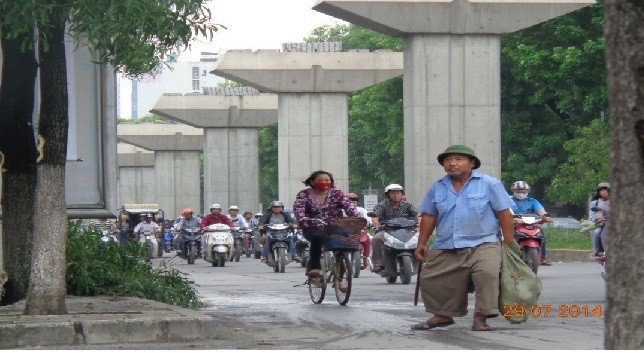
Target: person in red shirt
{"points": [[215, 217]]}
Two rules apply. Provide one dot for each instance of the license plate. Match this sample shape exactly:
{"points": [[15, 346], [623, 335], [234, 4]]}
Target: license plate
{"points": [[148, 237]]}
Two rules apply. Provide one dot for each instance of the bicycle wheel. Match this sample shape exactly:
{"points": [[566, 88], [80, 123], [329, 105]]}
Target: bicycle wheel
{"points": [[342, 276], [317, 289]]}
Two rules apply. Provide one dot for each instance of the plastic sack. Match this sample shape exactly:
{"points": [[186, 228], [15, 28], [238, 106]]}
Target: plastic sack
{"points": [[519, 288]]}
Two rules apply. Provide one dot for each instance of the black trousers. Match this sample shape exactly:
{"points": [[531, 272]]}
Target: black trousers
{"points": [[315, 236]]}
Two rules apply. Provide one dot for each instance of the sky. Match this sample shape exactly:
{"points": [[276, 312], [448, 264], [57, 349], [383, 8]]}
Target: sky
{"points": [[250, 24]]}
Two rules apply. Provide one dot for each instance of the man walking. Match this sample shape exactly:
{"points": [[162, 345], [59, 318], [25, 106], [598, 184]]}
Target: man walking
{"points": [[466, 207]]}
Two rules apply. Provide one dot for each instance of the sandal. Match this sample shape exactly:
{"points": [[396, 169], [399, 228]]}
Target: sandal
{"points": [[428, 325], [481, 326], [314, 273]]}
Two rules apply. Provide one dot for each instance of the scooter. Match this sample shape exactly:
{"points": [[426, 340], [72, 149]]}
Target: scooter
{"points": [[401, 237], [168, 236], [191, 245], [219, 244], [278, 242], [529, 236], [151, 244], [237, 245], [108, 237], [256, 245], [302, 248], [247, 235]]}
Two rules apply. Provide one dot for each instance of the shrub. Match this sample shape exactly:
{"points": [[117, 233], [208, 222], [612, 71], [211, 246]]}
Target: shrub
{"points": [[98, 268]]}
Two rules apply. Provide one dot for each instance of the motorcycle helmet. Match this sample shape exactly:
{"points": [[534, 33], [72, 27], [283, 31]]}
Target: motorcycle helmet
{"points": [[393, 187], [186, 212], [520, 185], [352, 196], [259, 215], [215, 205], [277, 203], [233, 208]]}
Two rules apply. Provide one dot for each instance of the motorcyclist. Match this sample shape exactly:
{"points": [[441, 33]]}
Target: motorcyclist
{"points": [[276, 215], [147, 226], [523, 205], [602, 196], [215, 217], [188, 221], [390, 208], [364, 238], [239, 222]]}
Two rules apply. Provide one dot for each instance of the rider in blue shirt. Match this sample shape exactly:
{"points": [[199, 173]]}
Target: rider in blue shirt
{"points": [[523, 205]]}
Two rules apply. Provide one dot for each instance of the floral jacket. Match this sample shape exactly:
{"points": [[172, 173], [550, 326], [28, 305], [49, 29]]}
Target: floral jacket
{"points": [[306, 205]]}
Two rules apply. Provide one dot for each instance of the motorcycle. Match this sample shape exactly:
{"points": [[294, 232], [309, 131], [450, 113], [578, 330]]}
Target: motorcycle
{"points": [[247, 235], [191, 245], [302, 248], [360, 258], [529, 236], [278, 242], [256, 245], [219, 244], [108, 237], [401, 237], [168, 236], [151, 244], [237, 245]]}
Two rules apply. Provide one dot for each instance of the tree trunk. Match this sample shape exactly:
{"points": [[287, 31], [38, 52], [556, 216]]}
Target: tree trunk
{"points": [[18, 148], [624, 34], [47, 287]]}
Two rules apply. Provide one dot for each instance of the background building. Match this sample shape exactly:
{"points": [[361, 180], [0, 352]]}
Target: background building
{"points": [[179, 77]]}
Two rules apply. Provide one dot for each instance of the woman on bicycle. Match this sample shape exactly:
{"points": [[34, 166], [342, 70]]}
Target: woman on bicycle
{"points": [[322, 201]]}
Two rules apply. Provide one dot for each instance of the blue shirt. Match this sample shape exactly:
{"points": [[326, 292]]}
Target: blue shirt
{"points": [[466, 219], [527, 205]]}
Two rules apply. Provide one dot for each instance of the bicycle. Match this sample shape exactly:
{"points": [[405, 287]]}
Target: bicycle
{"points": [[336, 261]]}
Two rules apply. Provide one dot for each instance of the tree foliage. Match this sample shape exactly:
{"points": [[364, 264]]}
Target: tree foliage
{"points": [[553, 81], [588, 152]]}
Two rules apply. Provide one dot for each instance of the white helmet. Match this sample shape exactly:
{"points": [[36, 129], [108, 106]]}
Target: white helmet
{"points": [[393, 187], [215, 205], [233, 207], [520, 185]]}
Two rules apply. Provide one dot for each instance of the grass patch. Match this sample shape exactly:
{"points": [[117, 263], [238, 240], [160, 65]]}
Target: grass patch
{"points": [[562, 238], [97, 268]]}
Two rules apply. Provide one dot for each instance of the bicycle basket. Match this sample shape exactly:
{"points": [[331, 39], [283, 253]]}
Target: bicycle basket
{"points": [[344, 233], [353, 225]]}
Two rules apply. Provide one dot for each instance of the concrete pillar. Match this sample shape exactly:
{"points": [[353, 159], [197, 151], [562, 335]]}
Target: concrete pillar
{"points": [[452, 71], [312, 115], [229, 118], [137, 181], [312, 135], [176, 162], [177, 181]]}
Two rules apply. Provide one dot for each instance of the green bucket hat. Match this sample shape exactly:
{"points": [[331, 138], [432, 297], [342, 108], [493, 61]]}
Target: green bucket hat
{"points": [[460, 149]]}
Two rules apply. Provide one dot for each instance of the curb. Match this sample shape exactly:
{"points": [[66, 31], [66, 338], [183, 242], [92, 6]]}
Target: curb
{"points": [[564, 255], [102, 320]]}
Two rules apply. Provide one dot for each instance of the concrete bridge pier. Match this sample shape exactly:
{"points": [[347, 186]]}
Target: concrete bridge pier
{"points": [[136, 175], [176, 162], [452, 77], [229, 118], [312, 81]]}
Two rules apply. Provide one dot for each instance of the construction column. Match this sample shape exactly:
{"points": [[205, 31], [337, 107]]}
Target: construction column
{"points": [[230, 118], [452, 79], [176, 162], [312, 81]]}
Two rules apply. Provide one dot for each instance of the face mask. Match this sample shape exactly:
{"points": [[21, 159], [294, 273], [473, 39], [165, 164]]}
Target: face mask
{"points": [[520, 195], [322, 185]]}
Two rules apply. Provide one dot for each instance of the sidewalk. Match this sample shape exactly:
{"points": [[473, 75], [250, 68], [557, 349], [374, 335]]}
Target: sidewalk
{"points": [[103, 320]]}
